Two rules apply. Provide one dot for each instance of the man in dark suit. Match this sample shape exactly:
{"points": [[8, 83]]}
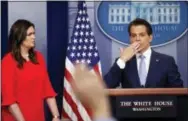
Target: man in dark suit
{"points": [[139, 65]]}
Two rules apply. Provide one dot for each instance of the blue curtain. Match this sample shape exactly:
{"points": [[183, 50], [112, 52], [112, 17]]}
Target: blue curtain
{"points": [[4, 28], [57, 38]]}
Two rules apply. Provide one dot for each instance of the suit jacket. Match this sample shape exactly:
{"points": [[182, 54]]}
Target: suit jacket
{"points": [[163, 72]]}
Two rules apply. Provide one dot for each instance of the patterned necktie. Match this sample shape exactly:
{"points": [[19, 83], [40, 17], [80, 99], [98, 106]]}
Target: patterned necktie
{"points": [[142, 70]]}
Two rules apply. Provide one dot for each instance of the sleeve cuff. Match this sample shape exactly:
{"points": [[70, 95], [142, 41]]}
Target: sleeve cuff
{"points": [[120, 63], [52, 94]]}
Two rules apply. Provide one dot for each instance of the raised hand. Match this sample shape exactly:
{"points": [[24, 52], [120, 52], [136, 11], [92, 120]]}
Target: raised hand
{"points": [[90, 89]]}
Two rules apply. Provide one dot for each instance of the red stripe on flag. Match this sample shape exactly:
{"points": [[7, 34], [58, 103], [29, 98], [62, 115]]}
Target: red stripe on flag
{"points": [[64, 114], [68, 76], [96, 69], [72, 104], [88, 110]]}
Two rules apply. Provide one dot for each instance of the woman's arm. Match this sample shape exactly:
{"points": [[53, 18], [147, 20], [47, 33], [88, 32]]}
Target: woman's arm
{"points": [[49, 93], [9, 99], [16, 112], [53, 108]]}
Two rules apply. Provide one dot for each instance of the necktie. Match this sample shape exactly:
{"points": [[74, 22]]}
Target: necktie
{"points": [[142, 70]]}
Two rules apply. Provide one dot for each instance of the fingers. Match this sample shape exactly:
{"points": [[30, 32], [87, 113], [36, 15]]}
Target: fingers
{"points": [[82, 73], [140, 48], [80, 69], [121, 50], [79, 73], [136, 47]]}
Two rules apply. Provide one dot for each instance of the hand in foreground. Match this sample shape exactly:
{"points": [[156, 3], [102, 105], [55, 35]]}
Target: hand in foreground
{"points": [[90, 89]]}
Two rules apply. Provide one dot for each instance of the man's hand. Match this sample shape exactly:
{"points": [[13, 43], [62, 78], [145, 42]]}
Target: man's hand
{"points": [[127, 53], [90, 89]]}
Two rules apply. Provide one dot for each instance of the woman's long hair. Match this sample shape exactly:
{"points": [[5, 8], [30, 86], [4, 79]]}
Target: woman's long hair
{"points": [[17, 35]]}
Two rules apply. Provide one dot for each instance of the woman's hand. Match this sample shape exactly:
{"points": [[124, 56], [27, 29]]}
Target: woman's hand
{"points": [[56, 119]]}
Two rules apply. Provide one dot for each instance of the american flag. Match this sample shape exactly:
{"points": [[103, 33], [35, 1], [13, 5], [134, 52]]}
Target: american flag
{"points": [[81, 48]]}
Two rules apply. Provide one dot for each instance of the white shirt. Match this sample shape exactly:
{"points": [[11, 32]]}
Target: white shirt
{"points": [[147, 55]]}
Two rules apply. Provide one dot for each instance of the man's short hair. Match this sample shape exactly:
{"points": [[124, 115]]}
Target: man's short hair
{"points": [[139, 21]]}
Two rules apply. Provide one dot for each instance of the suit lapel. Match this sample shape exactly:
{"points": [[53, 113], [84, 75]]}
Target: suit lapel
{"points": [[152, 69], [134, 73]]}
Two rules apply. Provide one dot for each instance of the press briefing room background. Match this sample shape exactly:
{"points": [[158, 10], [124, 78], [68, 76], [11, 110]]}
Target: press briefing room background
{"points": [[54, 23]]}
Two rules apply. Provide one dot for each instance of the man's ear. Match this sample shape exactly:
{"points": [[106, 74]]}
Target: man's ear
{"points": [[151, 38]]}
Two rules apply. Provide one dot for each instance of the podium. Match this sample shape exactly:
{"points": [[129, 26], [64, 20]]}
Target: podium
{"points": [[149, 104]]}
